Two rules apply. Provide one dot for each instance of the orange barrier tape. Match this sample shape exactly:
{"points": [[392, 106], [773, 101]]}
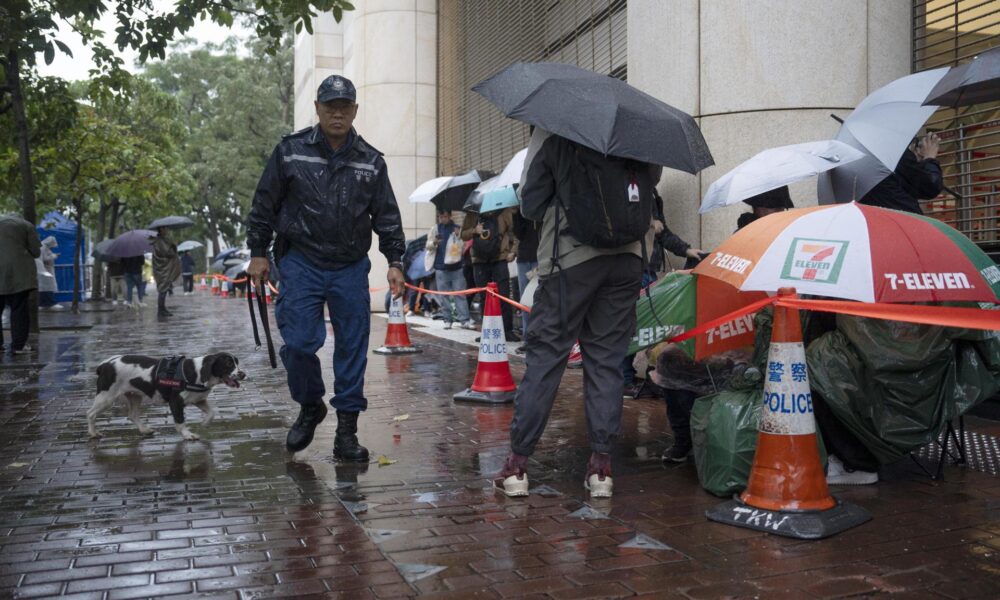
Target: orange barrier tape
{"points": [[274, 290], [946, 316], [458, 293], [695, 331]]}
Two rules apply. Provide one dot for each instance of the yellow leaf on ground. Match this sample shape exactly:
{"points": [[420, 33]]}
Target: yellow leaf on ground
{"points": [[384, 461], [401, 417]]}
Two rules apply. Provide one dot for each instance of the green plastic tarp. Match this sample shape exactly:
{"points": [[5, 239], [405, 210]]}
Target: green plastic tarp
{"points": [[895, 385]]}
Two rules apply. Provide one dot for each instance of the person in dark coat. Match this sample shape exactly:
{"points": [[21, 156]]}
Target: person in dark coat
{"points": [[324, 191], [916, 177], [764, 204], [187, 272], [19, 247]]}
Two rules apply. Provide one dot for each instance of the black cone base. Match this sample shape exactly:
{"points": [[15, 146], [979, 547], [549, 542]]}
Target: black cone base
{"points": [[468, 395], [804, 525]]}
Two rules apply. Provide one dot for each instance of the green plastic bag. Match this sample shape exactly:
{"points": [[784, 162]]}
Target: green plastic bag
{"points": [[724, 434]]}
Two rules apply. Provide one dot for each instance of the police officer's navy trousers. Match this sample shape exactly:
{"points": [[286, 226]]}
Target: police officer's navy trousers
{"points": [[305, 289]]}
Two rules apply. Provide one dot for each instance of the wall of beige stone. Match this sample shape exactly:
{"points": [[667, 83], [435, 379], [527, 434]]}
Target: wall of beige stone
{"points": [[757, 75]]}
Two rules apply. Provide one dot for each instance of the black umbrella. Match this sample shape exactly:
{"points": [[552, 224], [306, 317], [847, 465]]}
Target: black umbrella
{"points": [[974, 82], [173, 222], [599, 112]]}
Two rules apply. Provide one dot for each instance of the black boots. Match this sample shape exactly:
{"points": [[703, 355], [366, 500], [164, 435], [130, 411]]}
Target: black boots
{"points": [[301, 433], [345, 445]]}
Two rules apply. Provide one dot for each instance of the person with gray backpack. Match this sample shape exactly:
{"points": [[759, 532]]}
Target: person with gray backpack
{"points": [[595, 212]]}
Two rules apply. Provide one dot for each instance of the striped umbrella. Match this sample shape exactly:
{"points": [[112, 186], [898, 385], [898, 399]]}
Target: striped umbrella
{"points": [[856, 252]]}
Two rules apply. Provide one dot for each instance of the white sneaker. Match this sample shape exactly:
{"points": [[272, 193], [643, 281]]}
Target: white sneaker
{"points": [[57, 307], [837, 474], [142, 304], [513, 486], [598, 488], [114, 303], [447, 325], [470, 324]]}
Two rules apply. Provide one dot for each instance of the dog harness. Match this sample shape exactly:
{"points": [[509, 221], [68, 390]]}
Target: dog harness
{"points": [[168, 376]]}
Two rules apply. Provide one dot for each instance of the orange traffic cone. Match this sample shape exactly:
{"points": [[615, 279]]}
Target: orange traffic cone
{"points": [[215, 287], [786, 493], [202, 285], [493, 383], [225, 288], [397, 338], [267, 293]]}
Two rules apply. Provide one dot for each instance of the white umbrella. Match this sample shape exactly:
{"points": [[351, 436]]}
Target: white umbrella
{"points": [[511, 174], [777, 167], [188, 245], [888, 118]]}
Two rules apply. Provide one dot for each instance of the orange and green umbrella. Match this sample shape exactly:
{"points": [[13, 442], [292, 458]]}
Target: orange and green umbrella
{"points": [[856, 252]]}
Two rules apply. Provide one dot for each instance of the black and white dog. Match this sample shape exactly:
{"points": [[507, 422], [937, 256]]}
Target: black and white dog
{"points": [[176, 380]]}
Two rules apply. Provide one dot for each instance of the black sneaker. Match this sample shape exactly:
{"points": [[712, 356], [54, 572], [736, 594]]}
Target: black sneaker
{"points": [[631, 391], [676, 453], [301, 433]]}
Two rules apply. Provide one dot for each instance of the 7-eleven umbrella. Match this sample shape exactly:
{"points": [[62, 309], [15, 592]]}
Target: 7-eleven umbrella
{"points": [[856, 252], [681, 301]]}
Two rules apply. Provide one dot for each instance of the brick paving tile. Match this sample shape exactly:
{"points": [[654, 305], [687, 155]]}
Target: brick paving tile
{"points": [[235, 517]]}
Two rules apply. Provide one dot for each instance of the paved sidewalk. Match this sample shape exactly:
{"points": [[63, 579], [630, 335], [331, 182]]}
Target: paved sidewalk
{"points": [[233, 516]]}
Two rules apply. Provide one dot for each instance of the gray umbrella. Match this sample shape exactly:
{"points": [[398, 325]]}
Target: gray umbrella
{"points": [[974, 82], [172, 222], [881, 126], [599, 112], [852, 180], [131, 243]]}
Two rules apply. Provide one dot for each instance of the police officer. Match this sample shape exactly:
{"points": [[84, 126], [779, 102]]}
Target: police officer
{"points": [[323, 191]]}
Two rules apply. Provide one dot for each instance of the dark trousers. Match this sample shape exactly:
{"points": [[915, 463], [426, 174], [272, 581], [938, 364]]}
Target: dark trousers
{"points": [[593, 304], [496, 271], [188, 282], [20, 321], [679, 405], [305, 289], [161, 298]]}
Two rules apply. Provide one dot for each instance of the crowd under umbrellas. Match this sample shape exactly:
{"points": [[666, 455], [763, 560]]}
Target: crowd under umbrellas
{"points": [[865, 254]]}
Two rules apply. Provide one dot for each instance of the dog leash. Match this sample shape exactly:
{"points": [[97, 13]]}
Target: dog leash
{"points": [[262, 306]]}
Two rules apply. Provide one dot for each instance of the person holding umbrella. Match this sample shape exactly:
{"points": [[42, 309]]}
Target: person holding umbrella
{"points": [[166, 268], [592, 164], [916, 177], [187, 272], [324, 191]]}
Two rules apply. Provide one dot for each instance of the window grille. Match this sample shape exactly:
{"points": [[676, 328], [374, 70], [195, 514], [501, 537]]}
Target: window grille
{"points": [[477, 38], [948, 33]]}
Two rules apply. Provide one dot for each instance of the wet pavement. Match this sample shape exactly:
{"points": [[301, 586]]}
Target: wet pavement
{"points": [[234, 516]]}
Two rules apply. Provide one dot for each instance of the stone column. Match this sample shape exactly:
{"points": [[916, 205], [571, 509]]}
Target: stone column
{"points": [[758, 75], [388, 48]]}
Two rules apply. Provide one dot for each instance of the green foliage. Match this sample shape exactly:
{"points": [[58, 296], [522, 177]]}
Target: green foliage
{"points": [[235, 109]]}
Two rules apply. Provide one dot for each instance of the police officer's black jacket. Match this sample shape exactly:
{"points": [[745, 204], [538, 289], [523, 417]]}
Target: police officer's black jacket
{"points": [[325, 204]]}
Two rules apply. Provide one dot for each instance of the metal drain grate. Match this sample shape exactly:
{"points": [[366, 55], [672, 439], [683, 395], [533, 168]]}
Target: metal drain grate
{"points": [[982, 452]]}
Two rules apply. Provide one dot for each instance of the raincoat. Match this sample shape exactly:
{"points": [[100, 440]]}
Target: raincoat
{"points": [[325, 204], [166, 263]]}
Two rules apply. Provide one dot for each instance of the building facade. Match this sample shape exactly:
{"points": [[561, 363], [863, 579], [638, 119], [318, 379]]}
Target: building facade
{"points": [[754, 74]]}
